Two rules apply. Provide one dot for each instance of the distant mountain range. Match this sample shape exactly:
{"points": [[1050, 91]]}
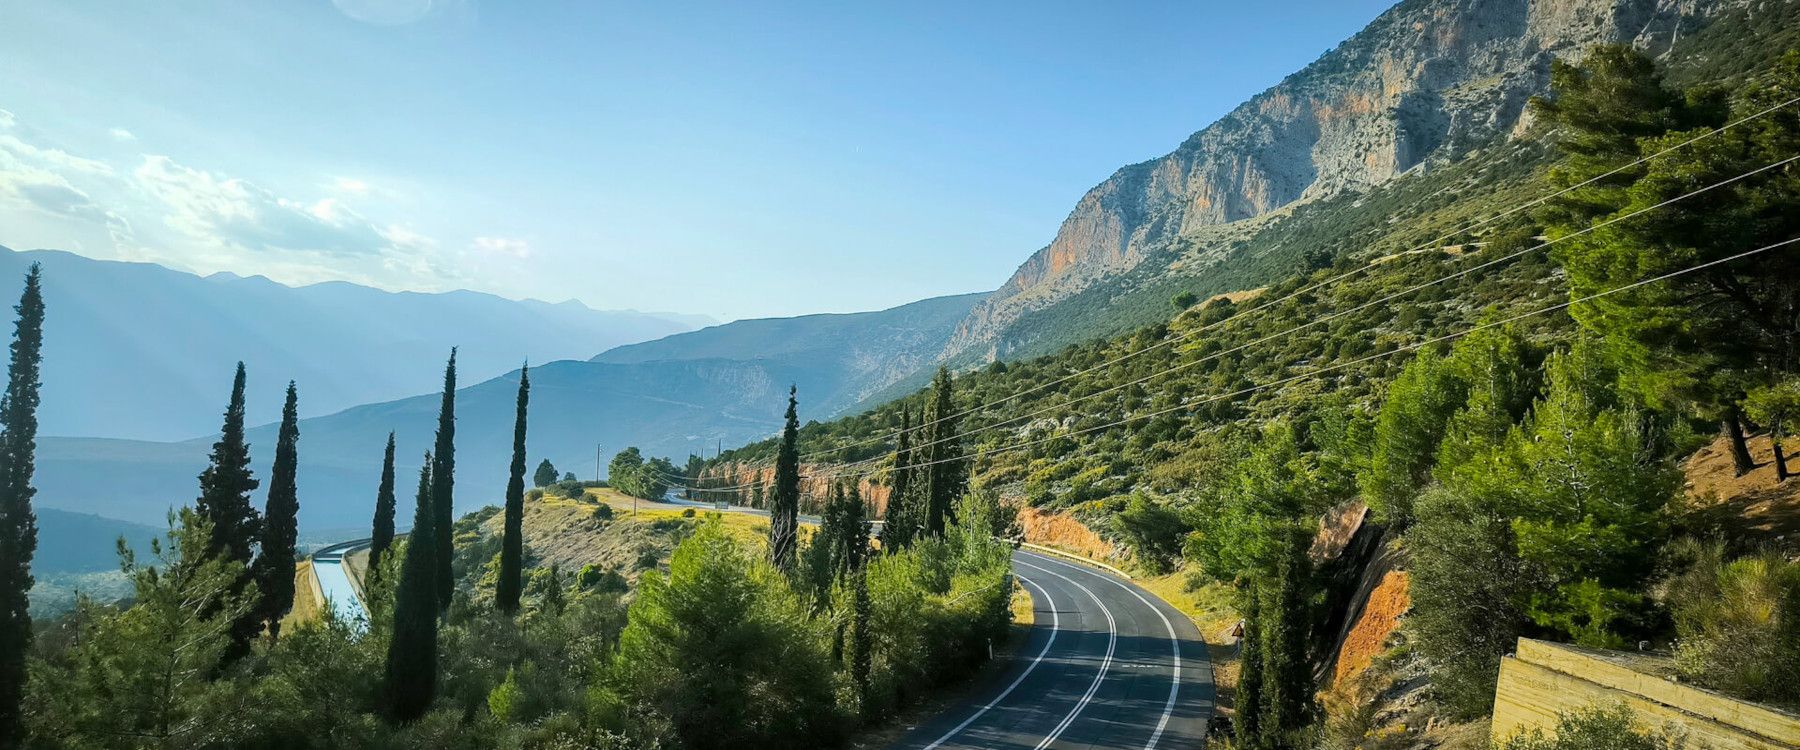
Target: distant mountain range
{"points": [[136, 350], [686, 393], [1384, 123]]}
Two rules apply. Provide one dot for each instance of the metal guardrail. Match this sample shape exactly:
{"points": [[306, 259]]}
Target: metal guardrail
{"points": [[1079, 558]]}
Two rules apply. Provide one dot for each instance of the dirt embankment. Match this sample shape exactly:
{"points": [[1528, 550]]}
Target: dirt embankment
{"points": [[1063, 532], [815, 484], [1755, 507]]}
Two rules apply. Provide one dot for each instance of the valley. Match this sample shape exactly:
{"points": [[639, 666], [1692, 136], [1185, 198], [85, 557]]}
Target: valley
{"points": [[1440, 396]]}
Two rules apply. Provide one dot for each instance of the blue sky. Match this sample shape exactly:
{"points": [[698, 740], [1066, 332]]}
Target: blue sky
{"points": [[733, 159]]}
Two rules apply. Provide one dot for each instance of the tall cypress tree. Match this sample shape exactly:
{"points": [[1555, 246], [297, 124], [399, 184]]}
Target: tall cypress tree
{"points": [[18, 525], [443, 479], [382, 536], [274, 568], [784, 507], [410, 678], [861, 648], [225, 488], [512, 546], [902, 520], [946, 470]]}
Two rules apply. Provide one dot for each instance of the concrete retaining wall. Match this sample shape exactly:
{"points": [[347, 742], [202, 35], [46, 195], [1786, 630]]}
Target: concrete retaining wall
{"points": [[1545, 679]]}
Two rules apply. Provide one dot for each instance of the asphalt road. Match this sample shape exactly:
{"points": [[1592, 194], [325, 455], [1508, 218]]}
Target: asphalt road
{"points": [[1106, 665]]}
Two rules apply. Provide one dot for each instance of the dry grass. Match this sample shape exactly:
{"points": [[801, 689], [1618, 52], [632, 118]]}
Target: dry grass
{"points": [[308, 607], [565, 532]]}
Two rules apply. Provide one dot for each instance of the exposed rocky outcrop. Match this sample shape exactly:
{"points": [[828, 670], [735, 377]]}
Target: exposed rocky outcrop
{"points": [[1425, 81]]}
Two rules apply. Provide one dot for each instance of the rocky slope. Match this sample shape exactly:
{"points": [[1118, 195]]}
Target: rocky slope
{"points": [[1424, 83]]}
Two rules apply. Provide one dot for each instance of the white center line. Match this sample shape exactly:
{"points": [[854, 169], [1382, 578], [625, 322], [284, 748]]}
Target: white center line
{"points": [[1174, 649], [1112, 641]]}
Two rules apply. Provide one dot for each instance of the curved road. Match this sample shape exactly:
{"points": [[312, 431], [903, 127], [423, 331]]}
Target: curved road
{"points": [[1106, 665]]}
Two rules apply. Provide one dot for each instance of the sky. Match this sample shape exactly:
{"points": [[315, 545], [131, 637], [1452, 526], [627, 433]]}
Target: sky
{"points": [[733, 159]]}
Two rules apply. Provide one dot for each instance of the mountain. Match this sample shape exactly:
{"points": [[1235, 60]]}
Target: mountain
{"points": [[847, 356], [1423, 85], [686, 393], [135, 350]]}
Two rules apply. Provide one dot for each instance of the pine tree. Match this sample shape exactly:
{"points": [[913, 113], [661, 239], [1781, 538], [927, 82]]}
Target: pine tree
{"points": [[512, 546], [382, 536], [18, 525], [225, 488], [274, 567], [443, 480], [946, 469], [902, 521], [784, 505], [410, 678], [545, 475]]}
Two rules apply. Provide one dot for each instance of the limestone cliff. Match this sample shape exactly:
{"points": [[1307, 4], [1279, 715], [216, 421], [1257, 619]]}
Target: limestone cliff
{"points": [[1424, 82]]}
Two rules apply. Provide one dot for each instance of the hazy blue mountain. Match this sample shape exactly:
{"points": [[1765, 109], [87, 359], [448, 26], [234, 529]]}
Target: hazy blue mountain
{"points": [[683, 394], [136, 350], [847, 357]]}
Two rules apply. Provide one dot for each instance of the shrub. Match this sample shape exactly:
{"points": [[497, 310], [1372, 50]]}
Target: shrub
{"points": [[1738, 623], [1598, 728], [603, 512]]}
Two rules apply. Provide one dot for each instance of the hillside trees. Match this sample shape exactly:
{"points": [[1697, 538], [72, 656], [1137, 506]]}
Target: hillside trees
{"points": [[18, 527], [630, 473], [512, 546], [784, 500], [1701, 340], [147, 672], [1550, 530], [274, 566]]}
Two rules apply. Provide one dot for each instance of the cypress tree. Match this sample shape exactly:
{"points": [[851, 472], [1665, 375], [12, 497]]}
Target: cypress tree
{"points": [[225, 488], [861, 653], [274, 569], [856, 530], [18, 525], [1248, 700], [902, 518], [512, 546], [946, 471], [382, 536], [1287, 671], [784, 506], [443, 479], [410, 677]]}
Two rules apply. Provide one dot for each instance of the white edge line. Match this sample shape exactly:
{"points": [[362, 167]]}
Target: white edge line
{"points": [[1174, 650], [1112, 642], [1055, 623]]}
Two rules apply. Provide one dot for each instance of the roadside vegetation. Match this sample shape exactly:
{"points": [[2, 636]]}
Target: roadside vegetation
{"points": [[1512, 404]]}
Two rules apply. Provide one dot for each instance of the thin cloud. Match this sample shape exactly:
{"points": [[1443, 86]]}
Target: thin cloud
{"points": [[508, 246], [123, 135]]}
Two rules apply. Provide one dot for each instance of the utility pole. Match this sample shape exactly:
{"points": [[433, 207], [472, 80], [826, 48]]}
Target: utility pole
{"points": [[596, 462]]}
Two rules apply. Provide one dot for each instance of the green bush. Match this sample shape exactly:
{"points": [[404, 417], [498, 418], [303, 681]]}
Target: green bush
{"points": [[1599, 728], [1738, 623]]}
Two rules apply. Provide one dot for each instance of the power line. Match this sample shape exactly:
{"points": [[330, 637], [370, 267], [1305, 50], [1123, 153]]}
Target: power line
{"points": [[1358, 308], [1342, 365], [1332, 280]]}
